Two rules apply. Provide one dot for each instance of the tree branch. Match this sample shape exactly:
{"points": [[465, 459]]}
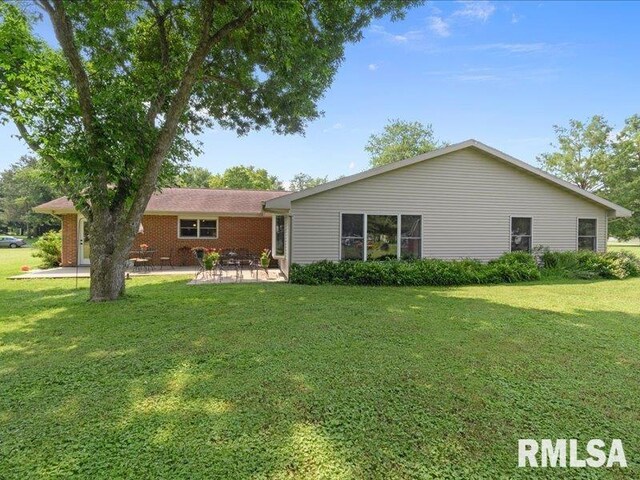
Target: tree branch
{"points": [[64, 33], [179, 103], [163, 40]]}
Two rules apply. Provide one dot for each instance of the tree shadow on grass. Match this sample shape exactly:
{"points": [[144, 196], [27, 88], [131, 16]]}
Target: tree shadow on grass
{"points": [[280, 381]]}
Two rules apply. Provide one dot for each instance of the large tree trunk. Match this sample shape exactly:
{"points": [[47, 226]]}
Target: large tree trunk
{"points": [[110, 245]]}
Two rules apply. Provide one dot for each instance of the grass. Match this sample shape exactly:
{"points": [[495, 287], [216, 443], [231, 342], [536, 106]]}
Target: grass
{"points": [[285, 381]]}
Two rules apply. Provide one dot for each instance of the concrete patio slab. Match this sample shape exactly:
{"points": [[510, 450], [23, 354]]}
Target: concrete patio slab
{"points": [[259, 276], [83, 272], [272, 275]]}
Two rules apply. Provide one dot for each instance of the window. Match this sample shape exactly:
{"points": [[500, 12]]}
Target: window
{"points": [[352, 236], [411, 237], [198, 228], [521, 234], [278, 236], [387, 237], [382, 237], [587, 228]]}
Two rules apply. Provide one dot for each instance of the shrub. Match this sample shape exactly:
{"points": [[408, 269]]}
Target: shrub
{"points": [[512, 267], [49, 249], [588, 264]]}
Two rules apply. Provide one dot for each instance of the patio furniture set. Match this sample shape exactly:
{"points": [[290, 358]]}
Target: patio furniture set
{"points": [[146, 259], [230, 263]]}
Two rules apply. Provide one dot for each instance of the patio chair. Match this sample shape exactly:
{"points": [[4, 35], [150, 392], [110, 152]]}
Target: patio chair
{"points": [[200, 268], [166, 260]]}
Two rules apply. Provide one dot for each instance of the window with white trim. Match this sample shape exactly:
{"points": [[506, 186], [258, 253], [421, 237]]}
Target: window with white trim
{"points": [[521, 230], [380, 236], [410, 237], [198, 228], [587, 234]]}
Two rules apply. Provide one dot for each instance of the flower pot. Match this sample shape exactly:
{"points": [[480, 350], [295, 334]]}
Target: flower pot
{"points": [[265, 263]]}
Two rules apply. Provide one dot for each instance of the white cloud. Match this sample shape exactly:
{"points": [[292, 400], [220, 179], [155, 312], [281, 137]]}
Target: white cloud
{"points": [[515, 18], [512, 47], [373, 67], [399, 39], [352, 165], [509, 75], [476, 10], [335, 126], [438, 26]]}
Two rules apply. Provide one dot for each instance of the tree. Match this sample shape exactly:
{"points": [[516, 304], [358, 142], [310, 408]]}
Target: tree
{"points": [[112, 109], [401, 139], [23, 186], [194, 177], [622, 179], [249, 178], [583, 150], [302, 181]]}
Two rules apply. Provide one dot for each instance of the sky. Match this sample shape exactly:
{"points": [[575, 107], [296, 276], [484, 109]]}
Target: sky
{"points": [[502, 73]]}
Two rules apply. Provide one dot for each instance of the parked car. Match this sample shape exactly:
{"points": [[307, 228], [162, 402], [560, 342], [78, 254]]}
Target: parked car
{"points": [[12, 242]]}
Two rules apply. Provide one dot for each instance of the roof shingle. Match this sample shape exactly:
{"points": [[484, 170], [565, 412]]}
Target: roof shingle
{"points": [[190, 200]]}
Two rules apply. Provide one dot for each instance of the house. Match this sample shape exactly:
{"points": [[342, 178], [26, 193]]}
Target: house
{"points": [[466, 200], [177, 219]]}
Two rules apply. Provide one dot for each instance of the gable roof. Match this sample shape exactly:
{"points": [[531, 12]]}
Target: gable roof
{"points": [[188, 200], [284, 202]]}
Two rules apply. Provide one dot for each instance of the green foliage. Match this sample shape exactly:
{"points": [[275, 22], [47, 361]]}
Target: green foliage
{"points": [[583, 153], [246, 177], [48, 248], [587, 264], [194, 177], [510, 267], [24, 185], [622, 179], [302, 181], [399, 140]]}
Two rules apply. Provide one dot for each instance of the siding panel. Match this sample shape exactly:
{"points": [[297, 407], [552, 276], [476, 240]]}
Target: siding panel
{"points": [[466, 199]]}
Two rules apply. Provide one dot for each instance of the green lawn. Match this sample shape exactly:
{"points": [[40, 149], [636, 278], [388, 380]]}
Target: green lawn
{"points": [[284, 381]]}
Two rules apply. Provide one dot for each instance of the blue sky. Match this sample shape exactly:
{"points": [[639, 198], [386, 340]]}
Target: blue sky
{"points": [[500, 72]]}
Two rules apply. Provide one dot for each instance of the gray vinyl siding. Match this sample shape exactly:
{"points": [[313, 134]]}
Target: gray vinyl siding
{"points": [[466, 199]]}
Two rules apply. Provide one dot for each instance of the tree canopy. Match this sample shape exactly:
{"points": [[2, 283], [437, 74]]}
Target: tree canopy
{"points": [[582, 152], [24, 185], [302, 181], [246, 177], [622, 178], [194, 177], [401, 139], [114, 106]]}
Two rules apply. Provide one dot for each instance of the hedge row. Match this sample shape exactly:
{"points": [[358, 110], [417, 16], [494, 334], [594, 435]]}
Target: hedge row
{"points": [[510, 267], [587, 264]]}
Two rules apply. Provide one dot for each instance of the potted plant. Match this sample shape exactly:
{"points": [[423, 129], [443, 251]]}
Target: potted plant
{"points": [[265, 258], [211, 258]]}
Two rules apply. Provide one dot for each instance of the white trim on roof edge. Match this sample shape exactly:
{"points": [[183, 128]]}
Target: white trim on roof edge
{"points": [[284, 202]]}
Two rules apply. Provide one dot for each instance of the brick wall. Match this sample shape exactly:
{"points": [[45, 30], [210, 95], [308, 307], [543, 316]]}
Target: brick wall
{"points": [[161, 234], [69, 240]]}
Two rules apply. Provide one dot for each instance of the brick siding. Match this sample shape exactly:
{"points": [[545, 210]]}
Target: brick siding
{"points": [[161, 234]]}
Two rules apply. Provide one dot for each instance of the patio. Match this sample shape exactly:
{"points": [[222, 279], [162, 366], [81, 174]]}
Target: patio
{"points": [[271, 275]]}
